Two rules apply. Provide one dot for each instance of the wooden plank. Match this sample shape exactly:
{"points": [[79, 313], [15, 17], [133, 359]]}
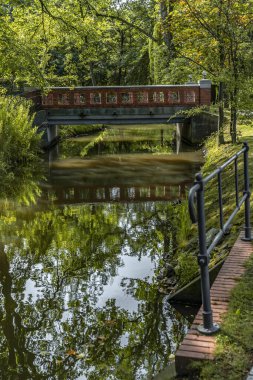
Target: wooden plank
{"points": [[194, 355], [200, 348]]}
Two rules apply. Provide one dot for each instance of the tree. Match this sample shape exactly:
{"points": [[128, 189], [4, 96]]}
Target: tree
{"points": [[220, 29], [20, 142]]}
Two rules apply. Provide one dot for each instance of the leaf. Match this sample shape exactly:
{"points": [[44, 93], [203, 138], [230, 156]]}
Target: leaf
{"points": [[80, 356], [102, 337], [71, 352]]}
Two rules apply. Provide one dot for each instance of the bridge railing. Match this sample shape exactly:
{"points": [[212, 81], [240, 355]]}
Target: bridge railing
{"points": [[122, 97], [198, 215], [189, 94], [129, 96]]}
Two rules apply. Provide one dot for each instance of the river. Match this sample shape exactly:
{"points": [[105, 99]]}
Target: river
{"points": [[82, 255]]}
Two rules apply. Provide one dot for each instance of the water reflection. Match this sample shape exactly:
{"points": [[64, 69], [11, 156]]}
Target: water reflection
{"points": [[78, 281], [144, 169]]}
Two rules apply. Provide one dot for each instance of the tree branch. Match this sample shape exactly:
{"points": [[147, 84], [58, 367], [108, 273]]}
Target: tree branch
{"points": [[124, 21], [54, 17]]}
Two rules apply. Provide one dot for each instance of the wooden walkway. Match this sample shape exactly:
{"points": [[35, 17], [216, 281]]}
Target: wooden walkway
{"points": [[196, 346]]}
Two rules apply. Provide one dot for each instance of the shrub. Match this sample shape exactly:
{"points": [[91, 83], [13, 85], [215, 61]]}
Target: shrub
{"points": [[20, 142]]}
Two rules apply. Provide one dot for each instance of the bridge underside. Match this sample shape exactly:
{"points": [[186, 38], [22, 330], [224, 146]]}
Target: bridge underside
{"points": [[119, 121], [116, 116], [191, 129]]}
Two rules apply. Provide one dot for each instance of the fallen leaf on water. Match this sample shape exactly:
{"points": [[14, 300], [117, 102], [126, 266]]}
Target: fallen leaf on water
{"points": [[71, 352], [102, 337]]}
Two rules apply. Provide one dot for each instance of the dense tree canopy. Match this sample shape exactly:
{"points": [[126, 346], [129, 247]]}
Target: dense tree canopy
{"points": [[87, 42]]}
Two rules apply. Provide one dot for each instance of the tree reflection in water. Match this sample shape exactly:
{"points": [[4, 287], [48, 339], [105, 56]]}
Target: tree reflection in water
{"points": [[79, 295], [53, 275]]}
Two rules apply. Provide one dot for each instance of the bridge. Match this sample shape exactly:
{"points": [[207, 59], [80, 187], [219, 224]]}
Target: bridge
{"points": [[121, 105], [80, 194]]}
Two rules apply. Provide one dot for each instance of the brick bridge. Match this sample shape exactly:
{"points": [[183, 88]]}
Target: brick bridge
{"points": [[126, 105]]}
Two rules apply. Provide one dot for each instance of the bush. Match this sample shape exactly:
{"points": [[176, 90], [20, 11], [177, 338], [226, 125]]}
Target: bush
{"points": [[20, 142]]}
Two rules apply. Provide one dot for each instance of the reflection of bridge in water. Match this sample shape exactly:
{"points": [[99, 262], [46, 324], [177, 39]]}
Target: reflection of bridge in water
{"points": [[81, 194], [121, 178]]}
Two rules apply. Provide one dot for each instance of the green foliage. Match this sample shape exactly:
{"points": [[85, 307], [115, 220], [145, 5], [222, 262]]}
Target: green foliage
{"points": [[78, 43], [187, 267], [183, 224], [70, 255], [18, 138], [128, 42]]}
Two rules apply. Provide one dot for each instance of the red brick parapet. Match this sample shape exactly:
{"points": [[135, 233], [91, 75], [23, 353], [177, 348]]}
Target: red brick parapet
{"points": [[189, 95]]}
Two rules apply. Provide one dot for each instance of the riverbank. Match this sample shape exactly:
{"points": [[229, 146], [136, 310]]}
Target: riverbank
{"points": [[233, 357], [185, 261]]}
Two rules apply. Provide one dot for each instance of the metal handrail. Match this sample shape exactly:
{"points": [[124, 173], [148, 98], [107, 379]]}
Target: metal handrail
{"points": [[198, 215]]}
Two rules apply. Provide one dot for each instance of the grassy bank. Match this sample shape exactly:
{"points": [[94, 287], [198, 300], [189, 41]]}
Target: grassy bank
{"points": [[235, 341], [214, 157]]}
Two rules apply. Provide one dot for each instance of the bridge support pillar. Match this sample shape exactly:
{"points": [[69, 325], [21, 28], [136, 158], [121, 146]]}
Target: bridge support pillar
{"points": [[179, 130], [53, 154], [52, 134]]}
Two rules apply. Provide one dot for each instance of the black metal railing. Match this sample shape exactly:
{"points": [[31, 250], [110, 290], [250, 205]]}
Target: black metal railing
{"points": [[198, 190]]}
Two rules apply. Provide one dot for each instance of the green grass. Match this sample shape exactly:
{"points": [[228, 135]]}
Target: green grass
{"points": [[216, 156], [234, 353]]}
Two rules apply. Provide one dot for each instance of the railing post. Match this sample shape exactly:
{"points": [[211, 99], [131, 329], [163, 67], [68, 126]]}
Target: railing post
{"points": [[247, 228], [208, 326]]}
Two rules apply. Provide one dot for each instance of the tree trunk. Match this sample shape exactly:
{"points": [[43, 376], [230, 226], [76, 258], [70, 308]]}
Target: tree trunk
{"points": [[233, 116], [166, 8], [221, 114], [93, 80], [121, 54], [221, 48], [234, 95]]}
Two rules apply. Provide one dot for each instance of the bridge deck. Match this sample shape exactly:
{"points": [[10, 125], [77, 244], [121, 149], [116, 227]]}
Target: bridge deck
{"points": [[196, 346]]}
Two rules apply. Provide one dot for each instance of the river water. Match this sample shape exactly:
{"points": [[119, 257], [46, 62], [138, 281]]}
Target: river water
{"points": [[82, 252]]}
